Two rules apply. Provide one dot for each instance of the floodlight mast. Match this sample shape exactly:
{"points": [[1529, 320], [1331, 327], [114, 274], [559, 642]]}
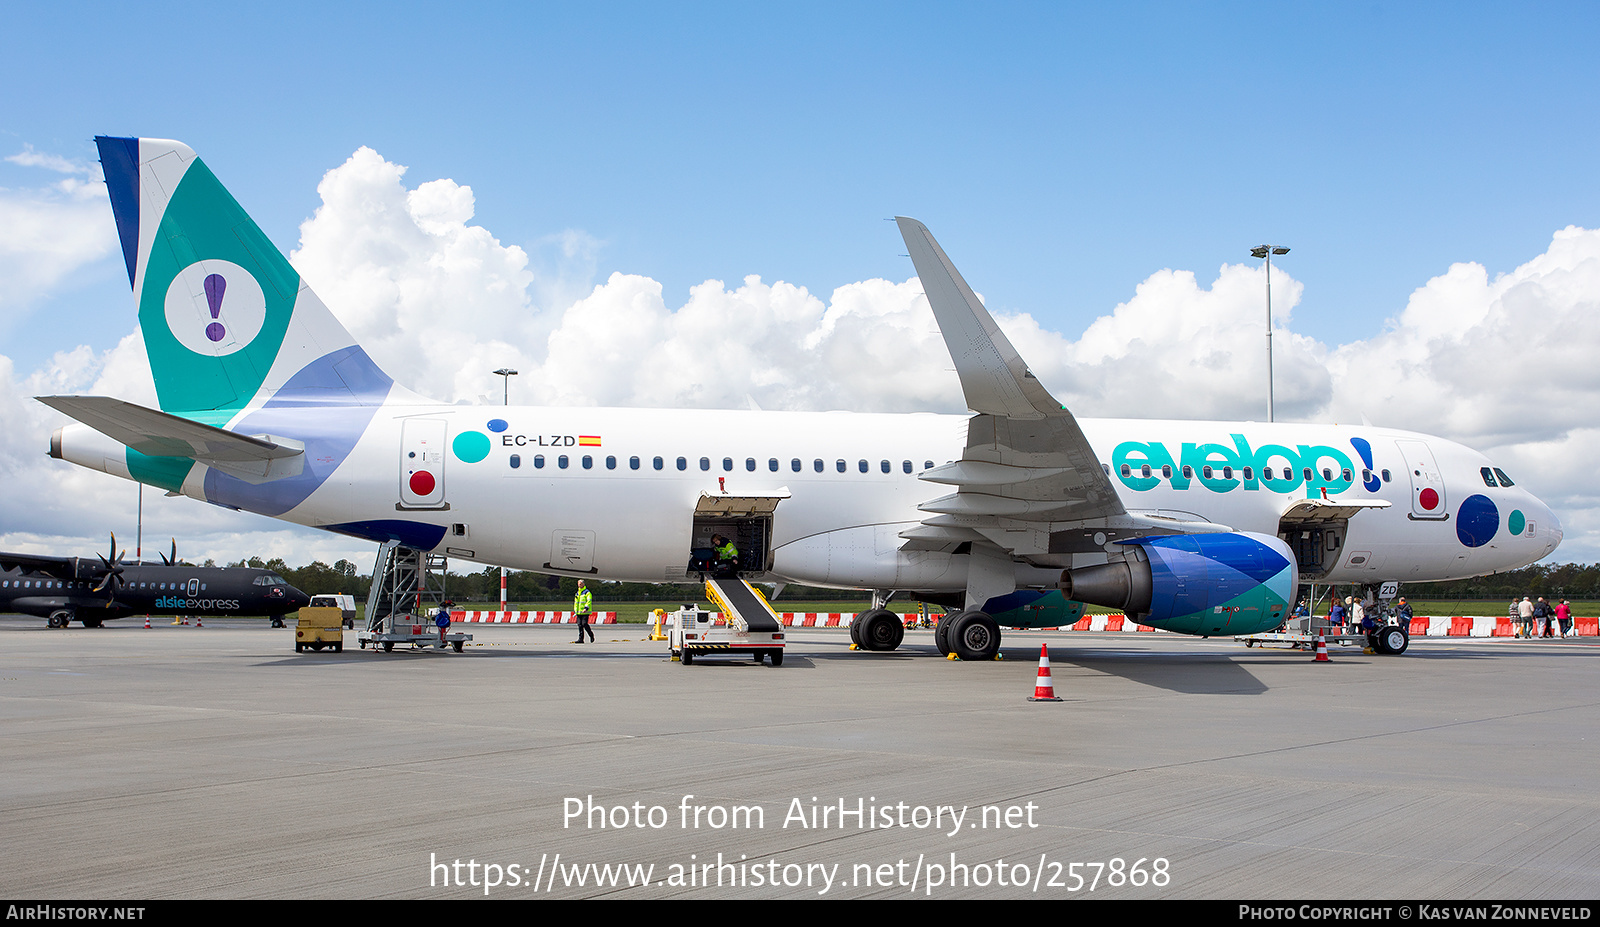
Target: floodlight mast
{"points": [[505, 374], [1267, 251]]}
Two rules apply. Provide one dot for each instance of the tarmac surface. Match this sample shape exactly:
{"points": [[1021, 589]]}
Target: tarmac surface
{"points": [[214, 762]]}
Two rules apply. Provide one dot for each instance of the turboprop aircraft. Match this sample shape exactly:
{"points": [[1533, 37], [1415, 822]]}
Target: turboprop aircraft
{"points": [[1016, 514], [66, 589]]}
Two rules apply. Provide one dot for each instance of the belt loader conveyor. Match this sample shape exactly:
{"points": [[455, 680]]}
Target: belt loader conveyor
{"points": [[752, 627]]}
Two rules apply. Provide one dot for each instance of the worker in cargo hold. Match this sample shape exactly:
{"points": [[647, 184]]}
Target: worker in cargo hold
{"points": [[727, 557]]}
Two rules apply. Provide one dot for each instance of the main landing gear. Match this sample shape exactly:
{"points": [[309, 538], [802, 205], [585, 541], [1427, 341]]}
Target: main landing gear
{"points": [[970, 635]]}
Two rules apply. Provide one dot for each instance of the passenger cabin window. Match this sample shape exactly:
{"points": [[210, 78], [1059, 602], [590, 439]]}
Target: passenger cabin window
{"points": [[562, 461], [1327, 474], [885, 466], [905, 465], [1248, 475], [1144, 470], [1166, 471], [928, 465], [772, 464], [516, 461], [538, 461], [1345, 475], [817, 465], [705, 463], [1205, 472], [683, 463], [611, 463], [633, 463], [1306, 473], [1386, 477], [588, 462], [750, 464], [795, 465], [657, 462], [1227, 473], [1188, 472], [839, 465], [727, 465], [862, 466]]}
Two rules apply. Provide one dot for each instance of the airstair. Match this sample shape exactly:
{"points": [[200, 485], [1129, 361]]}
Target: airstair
{"points": [[407, 588]]}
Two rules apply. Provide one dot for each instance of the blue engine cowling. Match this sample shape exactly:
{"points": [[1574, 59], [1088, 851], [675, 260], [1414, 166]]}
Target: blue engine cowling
{"points": [[1238, 583]]}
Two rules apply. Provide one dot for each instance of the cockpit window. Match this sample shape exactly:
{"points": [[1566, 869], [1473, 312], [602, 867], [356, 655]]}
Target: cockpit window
{"points": [[1488, 476], [1504, 480]]}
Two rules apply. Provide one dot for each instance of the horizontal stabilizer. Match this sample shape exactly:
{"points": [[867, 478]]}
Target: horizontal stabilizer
{"points": [[255, 459]]}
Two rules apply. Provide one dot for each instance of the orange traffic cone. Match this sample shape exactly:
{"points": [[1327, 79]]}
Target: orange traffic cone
{"points": [[197, 622], [1044, 690], [1322, 650], [147, 622]]}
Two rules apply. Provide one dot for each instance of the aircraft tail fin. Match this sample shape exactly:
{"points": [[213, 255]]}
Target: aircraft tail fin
{"points": [[228, 324]]}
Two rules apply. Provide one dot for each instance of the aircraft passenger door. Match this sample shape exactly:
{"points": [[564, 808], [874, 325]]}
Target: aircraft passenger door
{"points": [[422, 464], [1427, 484]]}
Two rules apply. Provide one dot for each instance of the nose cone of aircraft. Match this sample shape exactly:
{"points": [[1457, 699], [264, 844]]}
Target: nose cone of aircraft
{"points": [[297, 599]]}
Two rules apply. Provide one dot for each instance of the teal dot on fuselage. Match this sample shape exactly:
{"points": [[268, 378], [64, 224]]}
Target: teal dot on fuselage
{"points": [[471, 446], [1516, 522]]}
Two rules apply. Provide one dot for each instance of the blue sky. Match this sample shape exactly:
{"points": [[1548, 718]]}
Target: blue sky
{"points": [[1064, 154], [1066, 151]]}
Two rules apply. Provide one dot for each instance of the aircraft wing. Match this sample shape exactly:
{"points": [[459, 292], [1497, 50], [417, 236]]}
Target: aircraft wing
{"points": [[254, 458], [58, 567], [1028, 481]]}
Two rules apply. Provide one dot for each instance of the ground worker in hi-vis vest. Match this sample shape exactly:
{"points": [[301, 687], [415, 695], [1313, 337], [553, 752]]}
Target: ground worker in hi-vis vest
{"points": [[583, 604], [727, 565]]}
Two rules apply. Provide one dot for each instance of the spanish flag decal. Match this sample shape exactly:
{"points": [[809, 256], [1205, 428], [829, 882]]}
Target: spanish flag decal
{"points": [[588, 440]]}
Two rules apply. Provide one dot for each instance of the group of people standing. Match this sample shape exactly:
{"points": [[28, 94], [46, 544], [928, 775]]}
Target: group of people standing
{"points": [[1539, 619]]}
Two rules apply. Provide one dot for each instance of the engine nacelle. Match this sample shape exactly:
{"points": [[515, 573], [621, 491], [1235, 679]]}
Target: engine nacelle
{"points": [[1240, 583]]}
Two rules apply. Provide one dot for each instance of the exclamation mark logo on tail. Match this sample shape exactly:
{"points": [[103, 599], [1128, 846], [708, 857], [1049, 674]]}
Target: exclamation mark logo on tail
{"points": [[215, 307]]}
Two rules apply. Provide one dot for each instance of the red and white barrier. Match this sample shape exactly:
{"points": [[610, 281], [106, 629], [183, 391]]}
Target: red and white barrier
{"points": [[531, 617], [1451, 626]]}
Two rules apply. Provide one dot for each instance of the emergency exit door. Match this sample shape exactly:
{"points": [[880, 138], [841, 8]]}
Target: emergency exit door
{"points": [[1427, 483], [422, 464]]}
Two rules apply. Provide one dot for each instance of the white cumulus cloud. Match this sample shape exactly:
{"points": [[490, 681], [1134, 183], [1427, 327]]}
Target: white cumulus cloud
{"points": [[1500, 364]]}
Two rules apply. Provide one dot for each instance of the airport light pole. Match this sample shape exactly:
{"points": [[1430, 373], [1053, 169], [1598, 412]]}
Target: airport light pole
{"points": [[1267, 251], [505, 374]]}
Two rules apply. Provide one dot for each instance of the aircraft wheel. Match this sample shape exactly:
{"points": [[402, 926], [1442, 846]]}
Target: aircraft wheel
{"points": [[974, 636], [59, 618], [88, 622], [688, 657], [881, 630], [777, 658], [941, 634], [1394, 640]]}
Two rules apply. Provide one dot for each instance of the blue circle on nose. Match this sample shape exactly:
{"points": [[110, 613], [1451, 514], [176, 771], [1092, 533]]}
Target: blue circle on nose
{"points": [[497, 425], [1477, 521]]}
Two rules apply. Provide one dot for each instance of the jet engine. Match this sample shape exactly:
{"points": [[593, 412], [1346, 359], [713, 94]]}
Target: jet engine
{"points": [[1237, 583]]}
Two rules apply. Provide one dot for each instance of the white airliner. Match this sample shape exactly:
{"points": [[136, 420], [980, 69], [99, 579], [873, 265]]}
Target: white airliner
{"points": [[1014, 515]]}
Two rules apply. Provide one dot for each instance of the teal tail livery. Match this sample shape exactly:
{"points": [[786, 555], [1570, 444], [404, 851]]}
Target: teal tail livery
{"points": [[1016, 514], [236, 341]]}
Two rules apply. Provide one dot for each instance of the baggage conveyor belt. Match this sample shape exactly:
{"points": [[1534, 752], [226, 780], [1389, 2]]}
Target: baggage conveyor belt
{"points": [[743, 604]]}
